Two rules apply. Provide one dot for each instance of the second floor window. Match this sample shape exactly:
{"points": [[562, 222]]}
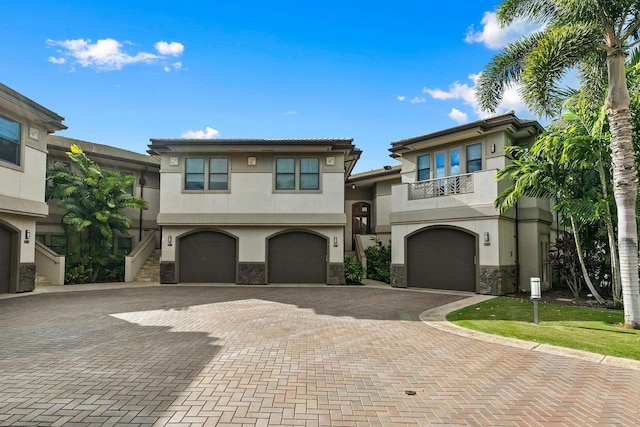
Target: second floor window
{"points": [[474, 157], [297, 174], [216, 169], [424, 167], [9, 141]]}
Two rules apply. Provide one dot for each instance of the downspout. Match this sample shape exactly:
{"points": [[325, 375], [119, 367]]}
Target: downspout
{"points": [[517, 236], [141, 181]]}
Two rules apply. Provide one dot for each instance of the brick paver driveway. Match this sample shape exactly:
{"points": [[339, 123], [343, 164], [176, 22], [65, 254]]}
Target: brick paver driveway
{"points": [[339, 356]]}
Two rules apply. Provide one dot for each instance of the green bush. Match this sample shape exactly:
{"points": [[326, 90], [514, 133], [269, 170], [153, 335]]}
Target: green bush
{"points": [[353, 270], [77, 273], [379, 262]]}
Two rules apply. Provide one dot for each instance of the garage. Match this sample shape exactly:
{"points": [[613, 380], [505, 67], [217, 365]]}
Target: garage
{"points": [[207, 257], [5, 260], [297, 257], [442, 258]]}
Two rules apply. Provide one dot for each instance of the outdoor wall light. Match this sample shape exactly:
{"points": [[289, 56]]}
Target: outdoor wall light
{"points": [[27, 235], [170, 240], [486, 237], [493, 148], [353, 186], [335, 241]]}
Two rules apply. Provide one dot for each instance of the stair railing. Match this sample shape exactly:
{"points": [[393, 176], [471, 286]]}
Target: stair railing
{"points": [[136, 259]]}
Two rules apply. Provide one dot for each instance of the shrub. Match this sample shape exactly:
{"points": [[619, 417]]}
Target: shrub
{"points": [[353, 270], [379, 262]]}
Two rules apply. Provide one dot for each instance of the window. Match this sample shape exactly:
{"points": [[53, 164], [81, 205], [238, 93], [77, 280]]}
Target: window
{"points": [[124, 245], [309, 173], [9, 141], [424, 167], [194, 174], [129, 188], [218, 174], [297, 174], [474, 157], [286, 174], [215, 168]]}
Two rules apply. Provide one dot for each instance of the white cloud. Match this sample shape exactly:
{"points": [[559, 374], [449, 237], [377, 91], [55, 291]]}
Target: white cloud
{"points": [[55, 60], [512, 100], [493, 36], [458, 116], [110, 55], [177, 66], [170, 49], [401, 98], [290, 113], [105, 54], [208, 133], [418, 100]]}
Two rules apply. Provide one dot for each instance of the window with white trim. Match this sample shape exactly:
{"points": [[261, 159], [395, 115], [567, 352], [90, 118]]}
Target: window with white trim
{"points": [[424, 167]]}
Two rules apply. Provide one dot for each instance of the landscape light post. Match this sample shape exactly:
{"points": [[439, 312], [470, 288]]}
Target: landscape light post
{"points": [[535, 296]]}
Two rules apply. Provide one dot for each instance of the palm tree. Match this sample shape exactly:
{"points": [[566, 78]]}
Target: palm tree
{"points": [[542, 173], [93, 200], [594, 37]]}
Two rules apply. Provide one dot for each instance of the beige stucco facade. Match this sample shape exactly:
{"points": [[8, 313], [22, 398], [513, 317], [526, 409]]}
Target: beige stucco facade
{"points": [[251, 209], [25, 126], [505, 249]]}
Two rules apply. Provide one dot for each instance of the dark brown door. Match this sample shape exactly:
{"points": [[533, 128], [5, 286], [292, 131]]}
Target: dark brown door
{"points": [[361, 220], [442, 258], [207, 257], [297, 257], [5, 260]]}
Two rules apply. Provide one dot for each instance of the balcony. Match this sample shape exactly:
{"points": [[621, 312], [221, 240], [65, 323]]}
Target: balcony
{"points": [[446, 186]]}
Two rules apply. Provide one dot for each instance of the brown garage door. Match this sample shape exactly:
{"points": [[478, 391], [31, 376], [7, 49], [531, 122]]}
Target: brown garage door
{"points": [[297, 257], [442, 258], [207, 257], [5, 260]]}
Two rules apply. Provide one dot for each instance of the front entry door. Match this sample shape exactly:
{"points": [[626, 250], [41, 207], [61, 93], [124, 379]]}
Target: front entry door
{"points": [[361, 220]]}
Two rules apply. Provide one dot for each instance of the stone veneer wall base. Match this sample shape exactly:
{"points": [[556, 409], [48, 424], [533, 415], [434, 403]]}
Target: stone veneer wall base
{"points": [[398, 276], [27, 278], [336, 274], [497, 280], [168, 272], [252, 273]]}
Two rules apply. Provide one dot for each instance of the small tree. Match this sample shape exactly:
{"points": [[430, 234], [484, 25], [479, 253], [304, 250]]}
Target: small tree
{"points": [[93, 200]]}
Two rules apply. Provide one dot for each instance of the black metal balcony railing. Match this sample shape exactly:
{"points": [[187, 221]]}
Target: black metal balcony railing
{"points": [[458, 184]]}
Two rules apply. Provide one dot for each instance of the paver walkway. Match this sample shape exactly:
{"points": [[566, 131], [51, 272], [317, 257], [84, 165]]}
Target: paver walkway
{"points": [[232, 356]]}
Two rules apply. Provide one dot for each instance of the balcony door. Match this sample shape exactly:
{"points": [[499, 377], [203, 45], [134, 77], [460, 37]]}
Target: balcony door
{"points": [[447, 164]]}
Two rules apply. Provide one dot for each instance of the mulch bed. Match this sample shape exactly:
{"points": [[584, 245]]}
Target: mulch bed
{"points": [[562, 296]]}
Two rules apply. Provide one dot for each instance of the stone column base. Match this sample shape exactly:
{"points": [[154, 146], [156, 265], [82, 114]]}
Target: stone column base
{"points": [[497, 280], [336, 274], [398, 276], [168, 272], [252, 273], [27, 278]]}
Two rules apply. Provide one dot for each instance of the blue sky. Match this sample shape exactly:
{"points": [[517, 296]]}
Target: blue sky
{"points": [[121, 72]]}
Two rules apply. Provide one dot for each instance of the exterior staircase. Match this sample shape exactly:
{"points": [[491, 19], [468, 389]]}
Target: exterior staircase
{"points": [[41, 281], [150, 271]]}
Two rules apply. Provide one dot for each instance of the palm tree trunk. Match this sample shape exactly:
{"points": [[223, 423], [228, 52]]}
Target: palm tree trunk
{"points": [[613, 248], [585, 274], [625, 185]]}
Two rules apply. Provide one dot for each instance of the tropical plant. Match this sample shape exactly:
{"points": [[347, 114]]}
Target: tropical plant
{"points": [[379, 262], [93, 200], [353, 270], [540, 172], [595, 37]]}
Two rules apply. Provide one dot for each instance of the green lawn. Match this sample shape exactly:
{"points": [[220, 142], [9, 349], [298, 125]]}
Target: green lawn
{"points": [[581, 328]]}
